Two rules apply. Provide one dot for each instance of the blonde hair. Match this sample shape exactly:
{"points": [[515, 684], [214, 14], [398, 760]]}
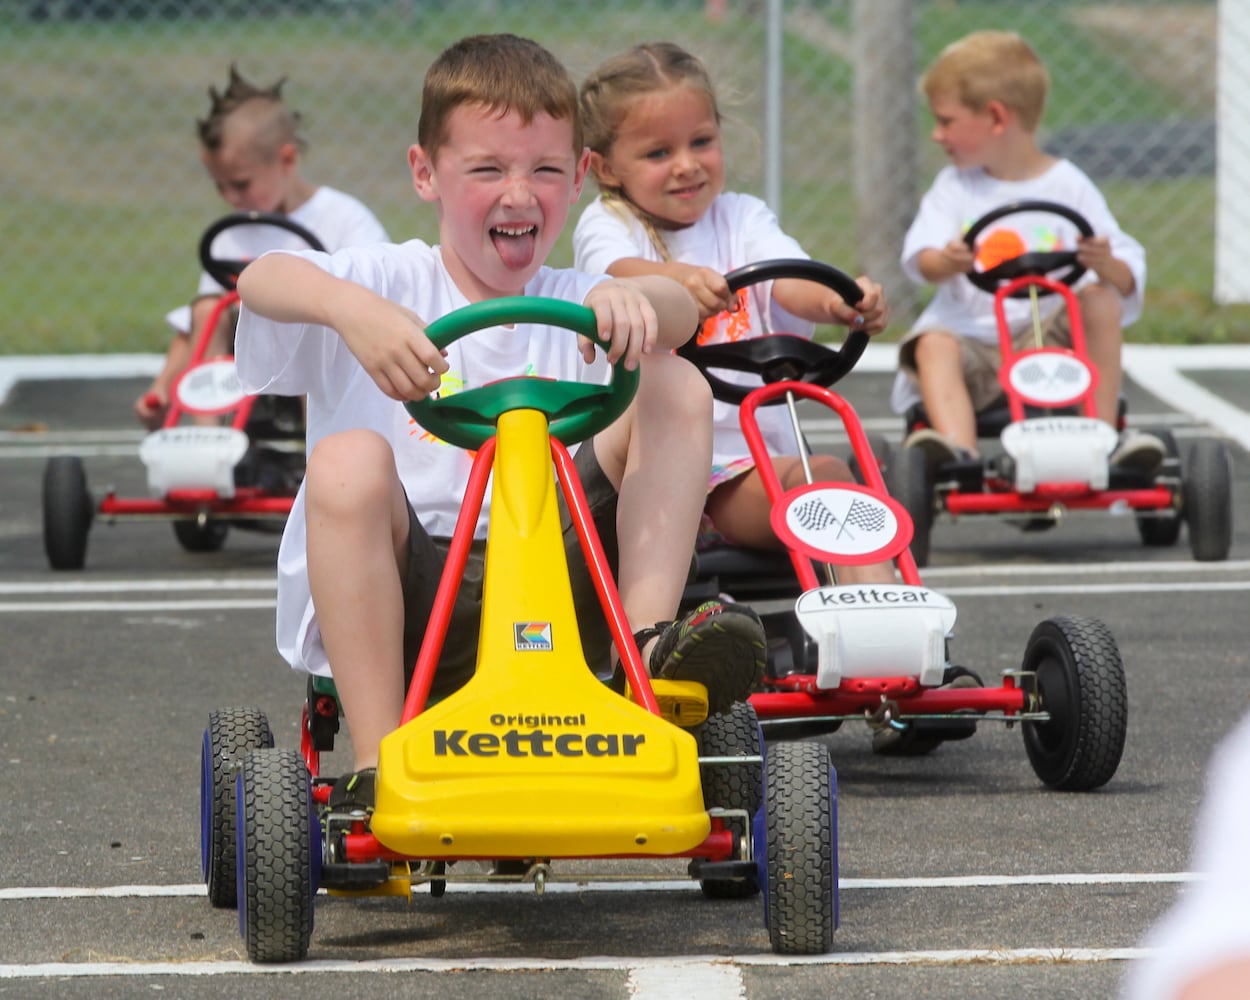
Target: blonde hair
{"points": [[991, 66], [608, 93], [259, 110], [501, 72]]}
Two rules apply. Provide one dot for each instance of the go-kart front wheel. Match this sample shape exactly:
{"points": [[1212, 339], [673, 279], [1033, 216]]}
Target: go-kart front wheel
{"points": [[231, 733], [1208, 500], [735, 733], [67, 512], [798, 856], [907, 480], [277, 877], [1079, 680]]}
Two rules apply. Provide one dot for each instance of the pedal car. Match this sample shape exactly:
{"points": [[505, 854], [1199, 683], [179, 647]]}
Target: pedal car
{"points": [[513, 770], [1054, 458], [221, 458], [881, 653]]}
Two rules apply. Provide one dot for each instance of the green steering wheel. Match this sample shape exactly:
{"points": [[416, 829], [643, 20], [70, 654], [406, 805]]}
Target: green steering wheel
{"points": [[574, 410]]}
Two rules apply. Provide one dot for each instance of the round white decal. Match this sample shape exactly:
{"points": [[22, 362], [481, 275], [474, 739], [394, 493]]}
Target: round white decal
{"points": [[1049, 377], [840, 521], [212, 387]]}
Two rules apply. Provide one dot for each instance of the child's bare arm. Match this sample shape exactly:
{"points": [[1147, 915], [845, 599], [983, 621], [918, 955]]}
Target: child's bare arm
{"points": [[638, 314], [1094, 252], [388, 340], [941, 264], [705, 284], [815, 302]]}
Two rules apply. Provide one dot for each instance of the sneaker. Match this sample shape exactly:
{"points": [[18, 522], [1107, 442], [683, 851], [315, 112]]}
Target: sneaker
{"points": [[921, 736], [1138, 451], [720, 645], [938, 448], [355, 792]]}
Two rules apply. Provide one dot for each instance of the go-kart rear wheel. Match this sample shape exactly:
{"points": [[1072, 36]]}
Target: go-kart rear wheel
{"points": [[735, 733], [1079, 679], [907, 479], [275, 863], [67, 512], [196, 537], [1208, 500], [231, 733], [799, 858], [1161, 529]]}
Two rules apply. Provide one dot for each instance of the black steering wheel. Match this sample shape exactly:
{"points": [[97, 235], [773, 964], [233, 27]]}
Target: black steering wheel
{"points": [[574, 410], [224, 270], [1037, 263], [781, 357]]}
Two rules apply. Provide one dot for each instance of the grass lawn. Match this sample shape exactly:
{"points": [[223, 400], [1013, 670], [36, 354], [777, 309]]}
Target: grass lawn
{"points": [[104, 198]]}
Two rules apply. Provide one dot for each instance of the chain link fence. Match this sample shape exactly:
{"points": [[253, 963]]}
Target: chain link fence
{"points": [[104, 197]]}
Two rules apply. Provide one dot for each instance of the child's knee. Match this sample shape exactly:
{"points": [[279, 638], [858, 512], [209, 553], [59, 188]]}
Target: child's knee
{"points": [[676, 386], [1101, 308], [347, 467], [829, 469], [936, 347]]}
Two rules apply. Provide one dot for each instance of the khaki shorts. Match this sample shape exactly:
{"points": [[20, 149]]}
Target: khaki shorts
{"points": [[427, 556], [981, 361]]}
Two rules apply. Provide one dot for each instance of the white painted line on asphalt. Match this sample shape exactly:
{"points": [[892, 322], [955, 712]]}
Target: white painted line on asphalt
{"points": [[1171, 385], [1089, 569], [113, 607], [997, 590], [127, 585], [36, 368], [982, 956], [681, 979], [24, 893]]}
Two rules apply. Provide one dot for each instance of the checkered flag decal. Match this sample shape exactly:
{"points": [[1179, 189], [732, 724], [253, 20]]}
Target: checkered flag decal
{"points": [[1035, 373], [814, 515], [864, 516]]}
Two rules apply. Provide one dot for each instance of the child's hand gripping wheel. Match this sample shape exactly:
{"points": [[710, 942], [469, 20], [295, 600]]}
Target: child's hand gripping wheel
{"points": [[574, 410], [1035, 263], [780, 357]]}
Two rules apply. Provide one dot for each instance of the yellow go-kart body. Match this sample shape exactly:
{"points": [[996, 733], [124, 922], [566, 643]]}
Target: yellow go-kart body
{"points": [[535, 757]]}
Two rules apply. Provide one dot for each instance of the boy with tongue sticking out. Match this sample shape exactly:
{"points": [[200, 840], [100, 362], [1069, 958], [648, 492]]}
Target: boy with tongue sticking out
{"points": [[499, 153]]}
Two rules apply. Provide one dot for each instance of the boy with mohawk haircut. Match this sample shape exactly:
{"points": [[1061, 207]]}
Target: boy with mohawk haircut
{"points": [[499, 154], [250, 146]]}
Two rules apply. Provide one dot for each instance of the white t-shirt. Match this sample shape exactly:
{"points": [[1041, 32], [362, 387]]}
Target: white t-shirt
{"points": [[1210, 923], [738, 229], [337, 219], [960, 197], [294, 359]]}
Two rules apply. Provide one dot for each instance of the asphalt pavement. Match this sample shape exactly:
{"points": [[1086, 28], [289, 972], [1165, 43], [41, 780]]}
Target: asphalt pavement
{"points": [[962, 875]]}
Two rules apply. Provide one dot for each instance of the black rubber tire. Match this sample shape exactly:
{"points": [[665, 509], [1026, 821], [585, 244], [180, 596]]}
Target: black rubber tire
{"points": [[881, 451], [735, 733], [801, 848], [67, 512], [275, 856], [1161, 532], [194, 538], [1080, 681], [1208, 500], [231, 733], [907, 479]]}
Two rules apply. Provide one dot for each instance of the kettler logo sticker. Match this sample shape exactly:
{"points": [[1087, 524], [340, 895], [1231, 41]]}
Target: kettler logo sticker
{"points": [[532, 637]]}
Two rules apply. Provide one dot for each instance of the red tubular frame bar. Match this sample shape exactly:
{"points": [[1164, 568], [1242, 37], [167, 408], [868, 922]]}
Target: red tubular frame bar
{"points": [[364, 847], [859, 444], [453, 572], [1076, 496], [1076, 327]]}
